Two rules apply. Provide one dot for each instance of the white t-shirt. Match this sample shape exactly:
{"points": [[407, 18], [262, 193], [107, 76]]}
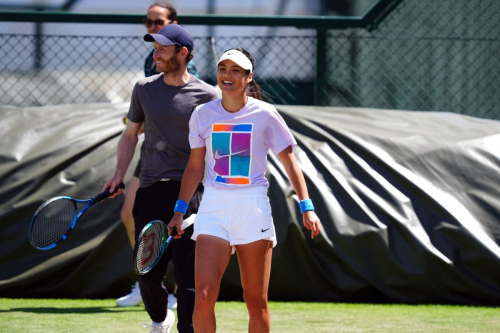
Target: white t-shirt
{"points": [[237, 143]]}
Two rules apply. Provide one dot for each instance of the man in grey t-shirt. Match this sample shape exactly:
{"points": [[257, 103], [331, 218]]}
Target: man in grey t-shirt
{"points": [[164, 104], [165, 111]]}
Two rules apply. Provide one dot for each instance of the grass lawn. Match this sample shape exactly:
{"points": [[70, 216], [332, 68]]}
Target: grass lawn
{"points": [[83, 315]]}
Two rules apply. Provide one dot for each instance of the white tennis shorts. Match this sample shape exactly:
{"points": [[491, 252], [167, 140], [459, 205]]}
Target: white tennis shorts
{"points": [[240, 216]]}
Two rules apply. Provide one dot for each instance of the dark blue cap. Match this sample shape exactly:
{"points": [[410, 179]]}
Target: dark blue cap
{"points": [[172, 34]]}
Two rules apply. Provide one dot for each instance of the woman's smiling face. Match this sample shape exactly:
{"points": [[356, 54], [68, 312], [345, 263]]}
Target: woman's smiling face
{"points": [[232, 78]]}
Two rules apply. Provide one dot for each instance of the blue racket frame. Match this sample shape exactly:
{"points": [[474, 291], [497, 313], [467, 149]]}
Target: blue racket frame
{"points": [[90, 202]]}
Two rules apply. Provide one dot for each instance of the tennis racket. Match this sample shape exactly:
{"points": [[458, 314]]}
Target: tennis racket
{"points": [[55, 219], [152, 243]]}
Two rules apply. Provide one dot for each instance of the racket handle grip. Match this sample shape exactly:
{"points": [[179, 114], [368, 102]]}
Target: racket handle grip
{"points": [[174, 230], [106, 193]]}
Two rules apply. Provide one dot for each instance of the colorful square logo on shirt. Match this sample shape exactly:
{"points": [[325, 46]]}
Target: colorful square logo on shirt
{"points": [[231, 148]]}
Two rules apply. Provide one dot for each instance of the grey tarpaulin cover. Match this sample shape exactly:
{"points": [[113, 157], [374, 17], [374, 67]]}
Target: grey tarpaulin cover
{"points": [[409, 203]]}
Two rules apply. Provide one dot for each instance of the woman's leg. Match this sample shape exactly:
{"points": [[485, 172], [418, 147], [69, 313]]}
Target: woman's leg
{"points": [[212, 257], [255, 269], [126, 212]]}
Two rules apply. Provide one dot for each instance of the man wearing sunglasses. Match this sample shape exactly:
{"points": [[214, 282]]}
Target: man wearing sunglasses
{"points": [[159, 15]]}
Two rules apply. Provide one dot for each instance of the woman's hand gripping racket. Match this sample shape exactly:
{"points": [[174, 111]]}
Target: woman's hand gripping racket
{"points": [[152, 243], [55, 219]]}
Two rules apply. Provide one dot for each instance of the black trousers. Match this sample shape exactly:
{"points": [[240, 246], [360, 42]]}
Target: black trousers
{"points": [[157, 202]]}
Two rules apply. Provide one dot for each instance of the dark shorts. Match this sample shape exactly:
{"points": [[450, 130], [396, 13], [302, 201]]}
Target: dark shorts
{"points": [[157, 202]]}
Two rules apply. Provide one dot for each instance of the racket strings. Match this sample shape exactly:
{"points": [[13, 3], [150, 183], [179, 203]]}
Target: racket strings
{"points": [[150, 247], [52, 222]]}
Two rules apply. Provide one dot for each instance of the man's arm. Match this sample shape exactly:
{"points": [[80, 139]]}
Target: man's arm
{"points": [[126, 149]]}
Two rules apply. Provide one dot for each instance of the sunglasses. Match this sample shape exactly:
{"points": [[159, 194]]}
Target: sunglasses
{"points": [[149, 22]]}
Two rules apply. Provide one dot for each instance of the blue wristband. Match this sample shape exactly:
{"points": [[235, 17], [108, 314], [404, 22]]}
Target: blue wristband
{"points": [[306, 205], [181, 206]]}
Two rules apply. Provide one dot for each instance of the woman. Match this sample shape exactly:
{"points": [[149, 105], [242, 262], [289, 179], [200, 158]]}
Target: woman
{"points": [[233, 136]]}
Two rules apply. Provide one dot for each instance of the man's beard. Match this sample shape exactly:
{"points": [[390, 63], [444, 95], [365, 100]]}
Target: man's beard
{"points": [[172, 65]]}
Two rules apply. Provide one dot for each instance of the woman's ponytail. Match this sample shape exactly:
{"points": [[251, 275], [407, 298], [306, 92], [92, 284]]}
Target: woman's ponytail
{"points": [[253, 89]]}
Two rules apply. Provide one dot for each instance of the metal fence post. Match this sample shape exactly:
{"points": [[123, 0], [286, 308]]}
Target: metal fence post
{"points": [[38, 54], [319, 83]]}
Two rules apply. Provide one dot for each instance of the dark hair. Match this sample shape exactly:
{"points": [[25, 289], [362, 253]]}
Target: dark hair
{"points": [[172, 16], [253, 89], [189, 56]]}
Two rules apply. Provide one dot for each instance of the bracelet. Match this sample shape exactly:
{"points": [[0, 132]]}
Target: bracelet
{"points": [[181, 206], [306, 205]]}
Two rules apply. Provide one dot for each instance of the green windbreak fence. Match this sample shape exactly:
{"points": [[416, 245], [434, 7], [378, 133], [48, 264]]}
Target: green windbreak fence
{"points": [[426, 55], [404, 54]]}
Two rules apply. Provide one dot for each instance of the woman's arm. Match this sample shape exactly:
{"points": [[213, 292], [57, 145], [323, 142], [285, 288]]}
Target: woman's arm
{"points": [[190, 180], [287, 157]]}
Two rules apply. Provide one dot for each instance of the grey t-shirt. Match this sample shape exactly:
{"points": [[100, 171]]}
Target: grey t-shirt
{"points": [[166, 111]]}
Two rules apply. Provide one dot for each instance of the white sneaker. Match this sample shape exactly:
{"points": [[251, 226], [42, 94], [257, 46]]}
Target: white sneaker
{"points": [[164, 327], [132, 299], [172, 301]]}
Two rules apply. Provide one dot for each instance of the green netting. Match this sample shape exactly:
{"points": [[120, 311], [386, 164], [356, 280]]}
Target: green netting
{"points": [[425, 55]]}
